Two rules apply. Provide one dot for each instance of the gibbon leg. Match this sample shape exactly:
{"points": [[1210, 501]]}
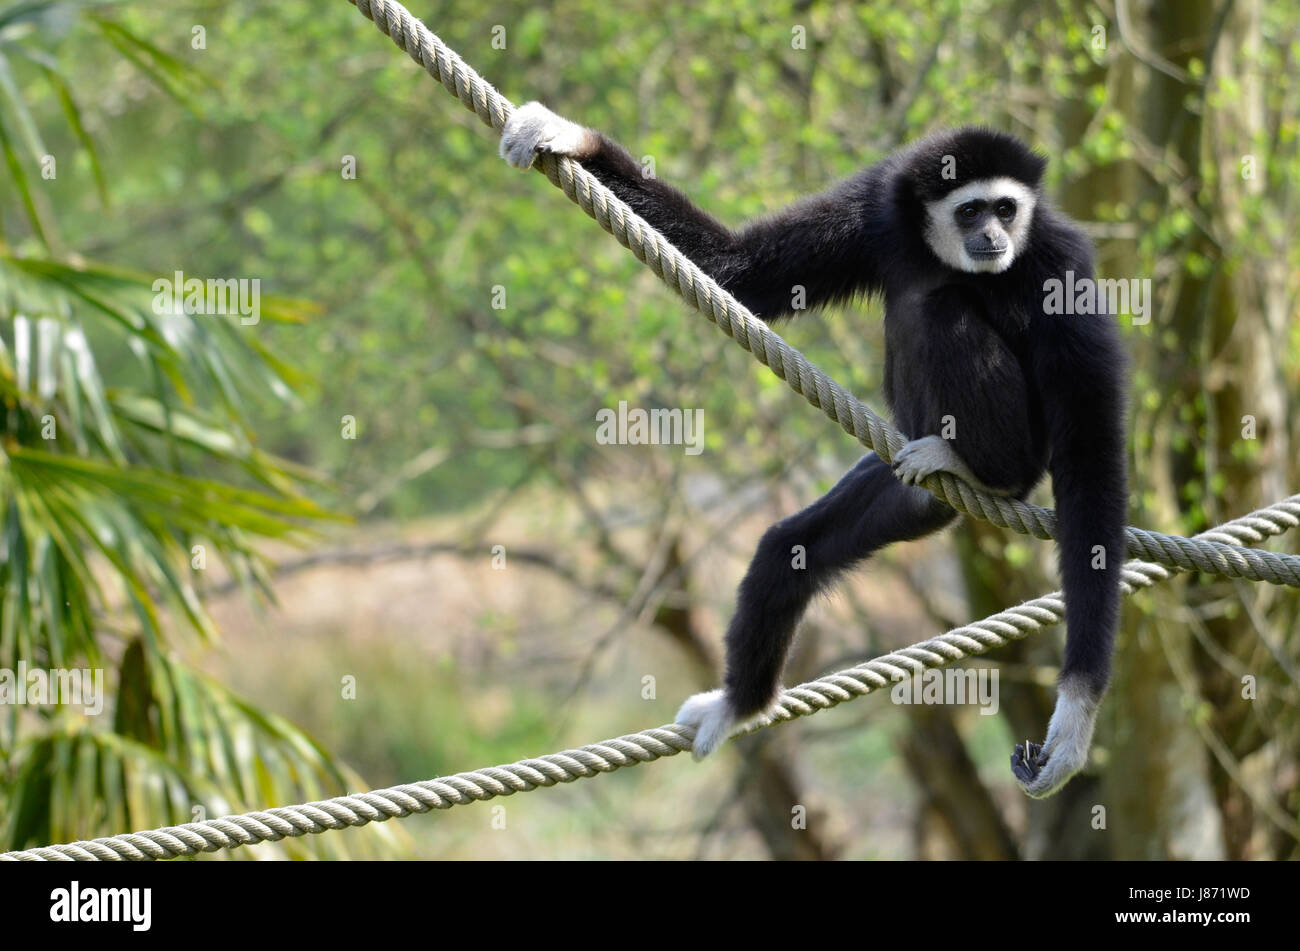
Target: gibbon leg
{"points": [[796, 558]]}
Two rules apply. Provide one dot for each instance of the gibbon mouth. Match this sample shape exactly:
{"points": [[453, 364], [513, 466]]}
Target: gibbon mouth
{"points": [[988, 253]]}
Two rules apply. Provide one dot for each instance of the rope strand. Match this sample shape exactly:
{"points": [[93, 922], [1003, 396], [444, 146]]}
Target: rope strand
{"points": [[646, 746]]}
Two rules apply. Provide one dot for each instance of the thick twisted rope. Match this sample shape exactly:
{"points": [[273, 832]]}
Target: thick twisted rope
{"points": [[526, 775], [805, 378]]}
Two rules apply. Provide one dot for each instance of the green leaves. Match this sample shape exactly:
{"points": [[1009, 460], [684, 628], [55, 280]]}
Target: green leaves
{"points": [[178, 79], [112, 466], [74, 782], [182, 749], [126, 464], [128, 469]]}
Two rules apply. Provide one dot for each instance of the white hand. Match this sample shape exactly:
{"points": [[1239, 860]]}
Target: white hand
{"points": [[532, 128]]}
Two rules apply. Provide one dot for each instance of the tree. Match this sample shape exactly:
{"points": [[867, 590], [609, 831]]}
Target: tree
{"points": [[127, 470]]}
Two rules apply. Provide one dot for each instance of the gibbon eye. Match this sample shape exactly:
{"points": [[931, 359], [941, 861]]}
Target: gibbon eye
{"points": [[1006, 209], [968, 211]]}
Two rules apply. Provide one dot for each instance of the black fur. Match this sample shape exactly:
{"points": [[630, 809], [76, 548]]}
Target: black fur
{"points": [[967, 155], [1029, 391]]}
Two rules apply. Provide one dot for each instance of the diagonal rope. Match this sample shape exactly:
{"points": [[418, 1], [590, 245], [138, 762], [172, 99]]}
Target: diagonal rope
{"points": [[646, 746], [805, 378]]}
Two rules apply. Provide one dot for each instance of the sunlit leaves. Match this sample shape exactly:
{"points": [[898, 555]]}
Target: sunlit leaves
{"points": [[126, 446]]}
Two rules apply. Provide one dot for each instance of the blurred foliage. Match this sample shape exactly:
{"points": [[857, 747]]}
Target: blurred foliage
{"points": [[129, 458]]}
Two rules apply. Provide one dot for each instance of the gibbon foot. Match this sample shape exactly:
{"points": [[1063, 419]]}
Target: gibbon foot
{"points": [[712, 717], [1042, 770]]}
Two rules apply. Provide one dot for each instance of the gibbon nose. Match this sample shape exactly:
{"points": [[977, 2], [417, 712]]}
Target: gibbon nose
{"points": [[987, 243]]}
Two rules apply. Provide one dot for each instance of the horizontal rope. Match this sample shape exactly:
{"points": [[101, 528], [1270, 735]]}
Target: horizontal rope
{"points": [[271, 825], [769, 348]]}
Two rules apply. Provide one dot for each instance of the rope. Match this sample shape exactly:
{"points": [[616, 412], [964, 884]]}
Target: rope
{"points": [[647, 746], [805, 378]]}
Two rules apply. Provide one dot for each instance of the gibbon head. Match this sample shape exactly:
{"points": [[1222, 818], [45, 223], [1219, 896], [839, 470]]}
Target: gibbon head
{"points": [[978, 188]]}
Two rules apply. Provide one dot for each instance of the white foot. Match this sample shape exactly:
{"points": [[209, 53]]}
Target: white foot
{"points": [[1042, 770], [712, 718], [533, 128], [923, 457]]}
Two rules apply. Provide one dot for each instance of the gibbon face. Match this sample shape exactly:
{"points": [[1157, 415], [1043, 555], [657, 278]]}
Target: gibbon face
{"points": [[982, 226]]}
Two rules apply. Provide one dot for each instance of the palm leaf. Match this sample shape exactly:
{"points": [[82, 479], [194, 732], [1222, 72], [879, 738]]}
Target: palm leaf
{"points": [[124, 440]]}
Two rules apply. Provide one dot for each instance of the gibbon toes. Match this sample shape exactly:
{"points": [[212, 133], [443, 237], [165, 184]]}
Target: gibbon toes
{"points": [[921, 458], [1026, 761], [711, 715], [1042, 770], [532, 128]]}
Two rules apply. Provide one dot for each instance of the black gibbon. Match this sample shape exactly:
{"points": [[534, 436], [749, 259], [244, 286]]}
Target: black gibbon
{"points": [[955, 233]]}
